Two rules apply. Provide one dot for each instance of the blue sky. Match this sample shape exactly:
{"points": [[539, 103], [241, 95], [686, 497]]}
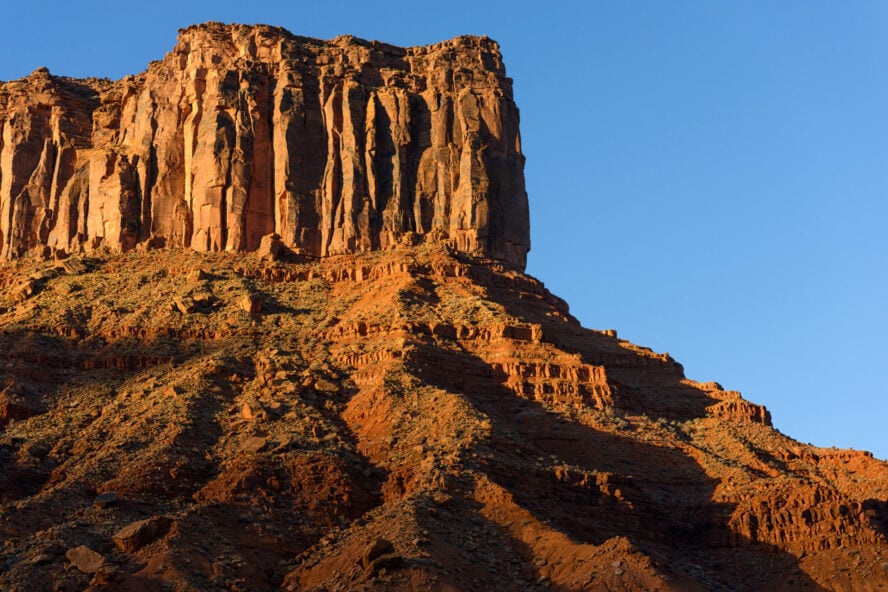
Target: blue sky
{"points": [[709, 178]]}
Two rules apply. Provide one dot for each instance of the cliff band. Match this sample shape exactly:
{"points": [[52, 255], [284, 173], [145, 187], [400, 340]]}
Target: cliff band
{"points": [[339, 147]]}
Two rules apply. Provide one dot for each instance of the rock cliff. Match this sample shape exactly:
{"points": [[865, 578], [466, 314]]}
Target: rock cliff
{"points": [[407, 419], [338, 146]]}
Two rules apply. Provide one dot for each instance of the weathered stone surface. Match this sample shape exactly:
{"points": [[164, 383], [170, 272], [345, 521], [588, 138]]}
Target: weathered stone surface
{"points": [[400, 420], [338, 146], [271, 247], [255, 445], [251, 303], [325, 386], [17, 402], [85, 559], [133, 537], [376, 549], [105, 499], [185, 304], [196, 276]]}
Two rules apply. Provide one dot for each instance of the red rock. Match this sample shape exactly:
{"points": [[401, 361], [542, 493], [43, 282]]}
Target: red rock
{"points": [[271, 247], [196, 275], [468, 411], [251, 303], [243, 132], [255, 444], [385, 562], [13, 408], [375, 550], [325, 386], [133, 537], [85, 559], [249, 410], [185, 304]]}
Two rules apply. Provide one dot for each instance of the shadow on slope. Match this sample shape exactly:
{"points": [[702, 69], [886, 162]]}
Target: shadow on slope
{"points": [[156, 422], [593, 486]]}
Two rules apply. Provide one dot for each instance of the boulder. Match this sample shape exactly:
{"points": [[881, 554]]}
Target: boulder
{"points": [[133, 537], [271, 247], [105, 499], [85, 559], [196, 275], [185, 304], [325, 386], [17, 402], [251, 303], [376, 549]]}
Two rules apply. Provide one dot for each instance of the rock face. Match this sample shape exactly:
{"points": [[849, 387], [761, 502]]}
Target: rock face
{"points": [[239, 132]]}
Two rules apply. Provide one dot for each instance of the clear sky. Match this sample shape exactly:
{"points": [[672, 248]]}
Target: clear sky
{"points": [[709, 178]]}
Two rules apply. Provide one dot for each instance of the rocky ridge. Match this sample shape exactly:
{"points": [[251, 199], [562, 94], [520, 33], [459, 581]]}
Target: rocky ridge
{"points": [[338, 146], [376, 397]]}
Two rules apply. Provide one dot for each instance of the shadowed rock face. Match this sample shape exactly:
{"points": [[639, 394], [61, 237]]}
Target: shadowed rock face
{"points": [[340, 147]]}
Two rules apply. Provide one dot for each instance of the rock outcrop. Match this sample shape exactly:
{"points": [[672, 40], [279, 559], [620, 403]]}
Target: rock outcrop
{"points": [[240, 132], [407, 419]]}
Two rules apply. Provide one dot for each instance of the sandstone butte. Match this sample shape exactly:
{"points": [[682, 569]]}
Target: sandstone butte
{"points": [[239, 132], [264, 326]]}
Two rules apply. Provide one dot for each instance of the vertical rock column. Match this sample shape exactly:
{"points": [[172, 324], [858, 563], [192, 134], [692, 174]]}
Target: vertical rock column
{"points": [[388, 168], [344, 213], [258, 218], [27, 159]]}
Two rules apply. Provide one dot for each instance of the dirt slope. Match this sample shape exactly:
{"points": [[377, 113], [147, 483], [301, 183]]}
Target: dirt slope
{"points": [[404, 420]]}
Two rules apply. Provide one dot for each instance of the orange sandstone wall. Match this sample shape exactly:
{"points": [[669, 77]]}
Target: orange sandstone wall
{"points": [[340, 146]]}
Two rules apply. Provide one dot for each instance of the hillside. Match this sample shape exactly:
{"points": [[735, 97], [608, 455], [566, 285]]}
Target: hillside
{"points": [[447, 405]]}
